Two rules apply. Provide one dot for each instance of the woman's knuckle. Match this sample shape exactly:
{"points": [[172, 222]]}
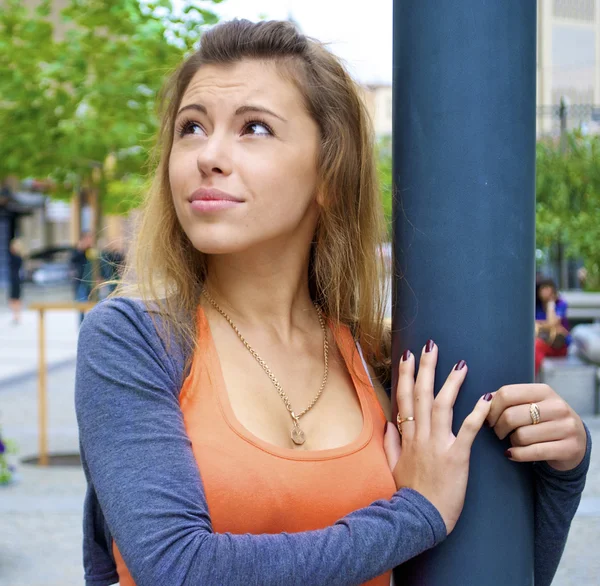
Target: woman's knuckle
{"points": [[517, 437], [562, 409], [509, 418], [405, 367], [440, 405], [500, 395], [404, 372], [471, 424], [572, 426], [501, 423]]}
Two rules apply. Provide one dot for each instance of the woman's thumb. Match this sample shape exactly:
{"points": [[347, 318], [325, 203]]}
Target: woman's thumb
{"points": [[391, 445]]}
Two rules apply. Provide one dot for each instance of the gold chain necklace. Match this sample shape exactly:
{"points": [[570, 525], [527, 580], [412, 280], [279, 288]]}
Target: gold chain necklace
{"points": [[298, 436]]}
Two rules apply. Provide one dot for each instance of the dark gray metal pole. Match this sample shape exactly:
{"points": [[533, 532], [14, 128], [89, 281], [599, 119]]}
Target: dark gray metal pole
{"points": [[464, 219]]}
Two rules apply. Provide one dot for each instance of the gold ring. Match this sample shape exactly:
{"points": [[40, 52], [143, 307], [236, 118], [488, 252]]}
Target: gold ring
{"points": [[401, 420], [534, 413]]}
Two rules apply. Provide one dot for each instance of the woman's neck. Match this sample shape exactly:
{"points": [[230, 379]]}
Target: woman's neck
{"points": [[269, 290]]}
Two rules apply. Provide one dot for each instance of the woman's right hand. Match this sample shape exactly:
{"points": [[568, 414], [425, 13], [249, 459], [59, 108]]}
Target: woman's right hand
{"points": [[430, 458]]}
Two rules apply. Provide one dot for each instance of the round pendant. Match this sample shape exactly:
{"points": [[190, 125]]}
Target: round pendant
{"points": [[298, 436]]}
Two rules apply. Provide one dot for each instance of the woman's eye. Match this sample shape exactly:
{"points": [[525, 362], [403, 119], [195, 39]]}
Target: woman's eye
{"points": [[257, 128], [190, 128]]}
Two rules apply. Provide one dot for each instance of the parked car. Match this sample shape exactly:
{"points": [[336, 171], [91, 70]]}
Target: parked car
{"points": [[49, 266]]}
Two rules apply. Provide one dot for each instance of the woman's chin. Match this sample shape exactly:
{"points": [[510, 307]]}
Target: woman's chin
{"points": [[215, 247]]}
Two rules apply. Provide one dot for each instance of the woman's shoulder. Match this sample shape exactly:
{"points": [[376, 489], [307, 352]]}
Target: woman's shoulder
{"points": [[118, 305], [126, 312], [123, 326], [123, 316]]}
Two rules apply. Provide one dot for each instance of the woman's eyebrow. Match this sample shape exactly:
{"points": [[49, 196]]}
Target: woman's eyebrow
{"points": [[253, 108], [241, 110], [197, 107]]}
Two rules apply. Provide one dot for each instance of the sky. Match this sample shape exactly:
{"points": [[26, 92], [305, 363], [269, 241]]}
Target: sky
{"points": [[361, 36]]}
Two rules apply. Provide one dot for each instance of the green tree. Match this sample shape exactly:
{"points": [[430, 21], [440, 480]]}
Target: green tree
{"points": [[568, 199], [74, 103], [31, 106]]}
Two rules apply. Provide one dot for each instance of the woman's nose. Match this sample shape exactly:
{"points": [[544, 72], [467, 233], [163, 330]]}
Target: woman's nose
{"points": [[214, 156]]}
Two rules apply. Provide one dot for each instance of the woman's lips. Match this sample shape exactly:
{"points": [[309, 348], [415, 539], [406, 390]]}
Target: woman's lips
{"points": [[213, 205], [208, 199]]}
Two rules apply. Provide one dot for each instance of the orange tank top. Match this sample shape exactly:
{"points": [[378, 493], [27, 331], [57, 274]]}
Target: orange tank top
{"points": [[284, 490]]}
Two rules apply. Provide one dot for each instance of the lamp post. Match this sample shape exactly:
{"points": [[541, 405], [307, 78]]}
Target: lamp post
{"points": [[464, 245]]}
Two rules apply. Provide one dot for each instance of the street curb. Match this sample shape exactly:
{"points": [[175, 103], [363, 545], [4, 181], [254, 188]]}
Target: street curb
{"points": [[7, 383]]}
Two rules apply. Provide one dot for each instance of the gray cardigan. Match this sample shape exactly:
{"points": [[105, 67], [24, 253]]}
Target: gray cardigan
{"points": [[145, 490]]}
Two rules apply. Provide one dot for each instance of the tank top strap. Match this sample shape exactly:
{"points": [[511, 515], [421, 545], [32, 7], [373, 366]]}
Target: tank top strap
{"points": [[357, 365]]}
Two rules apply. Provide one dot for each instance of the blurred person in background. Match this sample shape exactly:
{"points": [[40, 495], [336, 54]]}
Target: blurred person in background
{"points": [[111, 265], [551, 324], [82, 261], [15, 254], [230, 397]]}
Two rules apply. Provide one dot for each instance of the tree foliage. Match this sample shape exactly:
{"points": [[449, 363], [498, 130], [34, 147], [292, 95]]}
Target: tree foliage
{"points": [[69, 102], [384, 169], [30, 102], [568, 198]]}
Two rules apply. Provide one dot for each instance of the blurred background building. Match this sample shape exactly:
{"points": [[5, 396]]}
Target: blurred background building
{"points": [[568, 64], [378, 99]]}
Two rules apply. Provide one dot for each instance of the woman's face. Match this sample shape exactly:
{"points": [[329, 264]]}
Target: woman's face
{"points": [[546, 293], [243, 164]]}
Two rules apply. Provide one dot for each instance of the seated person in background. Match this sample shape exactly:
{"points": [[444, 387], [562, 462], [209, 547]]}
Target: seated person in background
{"points": [[552, 336]]}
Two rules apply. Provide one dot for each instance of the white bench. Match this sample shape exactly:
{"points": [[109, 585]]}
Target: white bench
{"points": [[576, 381]]}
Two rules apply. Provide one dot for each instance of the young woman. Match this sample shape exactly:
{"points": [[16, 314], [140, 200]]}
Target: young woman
{"points": [[230, 430], [552, 326]]}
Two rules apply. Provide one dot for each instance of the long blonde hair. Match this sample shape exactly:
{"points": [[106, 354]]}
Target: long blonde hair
{"points": [[346, 272]]}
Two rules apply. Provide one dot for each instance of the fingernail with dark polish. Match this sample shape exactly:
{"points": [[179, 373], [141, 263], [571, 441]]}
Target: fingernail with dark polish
{"points": [[460, 365], [406, 355], [488, 396], [508, 454], [429, 345]]}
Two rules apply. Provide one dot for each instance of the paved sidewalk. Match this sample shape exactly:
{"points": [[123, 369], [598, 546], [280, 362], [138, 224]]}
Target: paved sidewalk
{"points": [[19, 343], [41, 514]]}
